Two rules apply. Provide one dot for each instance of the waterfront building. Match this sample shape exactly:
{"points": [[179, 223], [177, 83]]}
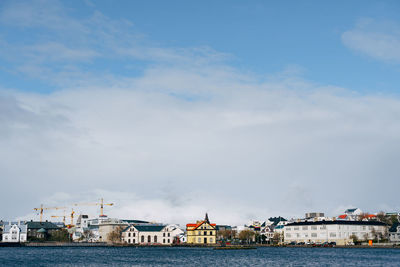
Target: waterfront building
{"points": [[41, 230], [394, 233], [177, 233], [15, 232], [106, 226], [201, 232], [340, 231], [267, 233], [148, 234]]}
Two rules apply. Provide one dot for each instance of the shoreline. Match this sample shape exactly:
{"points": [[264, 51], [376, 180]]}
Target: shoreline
{"points": [[228, 247]]}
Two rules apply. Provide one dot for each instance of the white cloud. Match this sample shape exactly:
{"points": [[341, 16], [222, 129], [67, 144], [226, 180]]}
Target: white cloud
{"points": [[181, 139], [237, 149], [377, 40]]}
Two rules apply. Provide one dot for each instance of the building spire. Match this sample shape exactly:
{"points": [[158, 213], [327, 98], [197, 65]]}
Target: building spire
{"points": [[206, 219]]}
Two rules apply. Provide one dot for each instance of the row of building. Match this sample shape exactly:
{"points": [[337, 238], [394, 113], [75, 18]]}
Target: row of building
{"points": [[351, 227]]}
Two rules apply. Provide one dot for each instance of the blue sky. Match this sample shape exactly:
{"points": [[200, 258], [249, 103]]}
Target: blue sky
{"points": [[138, 101], [260, 37]]}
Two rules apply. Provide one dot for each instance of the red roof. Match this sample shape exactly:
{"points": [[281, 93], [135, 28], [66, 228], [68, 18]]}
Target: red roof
{"points": [[196, 225], [344, 216]]}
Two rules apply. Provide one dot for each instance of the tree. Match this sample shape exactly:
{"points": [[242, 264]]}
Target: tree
{"points": [[276, 239], [115, 235], [60, 235], [354, 238], [87, 235], [363, 216], [246, 236], [393, 220], [225, 234]]}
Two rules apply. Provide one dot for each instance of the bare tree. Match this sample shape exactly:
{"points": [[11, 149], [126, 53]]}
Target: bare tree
{"points": [[115, 235], [276, 239], [246, 236], [363, 216], [87, 235]]}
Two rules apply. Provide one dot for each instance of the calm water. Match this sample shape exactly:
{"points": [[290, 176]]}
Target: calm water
{"points": [[130, 256]]}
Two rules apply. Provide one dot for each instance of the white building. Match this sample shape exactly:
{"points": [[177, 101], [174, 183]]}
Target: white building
{"points": [[177, 233], [267, 232], [352, 214], [15, 232], [331, 231], [148, 234]]}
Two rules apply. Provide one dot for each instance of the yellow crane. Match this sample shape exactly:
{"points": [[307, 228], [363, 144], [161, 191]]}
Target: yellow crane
{"points": [[64, 216], [59, 216], [42, 208], [101, 204]]}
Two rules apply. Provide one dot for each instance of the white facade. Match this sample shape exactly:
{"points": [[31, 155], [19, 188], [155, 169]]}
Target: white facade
{"points": [[15, 233], [148, 235], [268, 232], [353, 214], [394, 236], [177, 232], [331, 231]]}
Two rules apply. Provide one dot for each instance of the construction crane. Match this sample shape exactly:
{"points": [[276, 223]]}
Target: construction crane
{"points": [[64, 216], [101, 204], [41, 209], [59, 216]]}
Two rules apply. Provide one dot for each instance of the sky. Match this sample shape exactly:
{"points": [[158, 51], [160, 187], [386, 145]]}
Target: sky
{"points": [[170, 109]]}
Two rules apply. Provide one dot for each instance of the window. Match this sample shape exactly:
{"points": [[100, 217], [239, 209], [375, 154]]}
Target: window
{"points": [[314, 235], [129, 241], [169, 234], [210, 232], [163, 234], [129, 234], [305, 227], [155, 239], [211, 240], [142, 239], [332, 234], [148, 239], [288, 229], [134, 234], [314, 227], [133, 241], [168, 240], [205, 233], [288, 235], [199, 240], [163, 240], [296, 228]]}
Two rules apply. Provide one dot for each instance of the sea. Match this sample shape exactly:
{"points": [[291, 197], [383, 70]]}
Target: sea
{"points": [[186, 256]]}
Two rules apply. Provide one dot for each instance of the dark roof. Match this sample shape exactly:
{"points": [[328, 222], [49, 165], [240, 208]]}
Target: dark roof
{"points": [[39, 225], [376, 223], [134, 221], [276, 220], [350, 210], [147, 228], [394, 227]]}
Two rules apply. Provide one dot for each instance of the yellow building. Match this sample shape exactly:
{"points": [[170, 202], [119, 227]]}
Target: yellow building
{"points": [[201, 232]]}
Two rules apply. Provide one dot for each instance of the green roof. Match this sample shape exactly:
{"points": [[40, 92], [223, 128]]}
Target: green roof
{"points": [[42, 230], [147, 228], [39, 225]]}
